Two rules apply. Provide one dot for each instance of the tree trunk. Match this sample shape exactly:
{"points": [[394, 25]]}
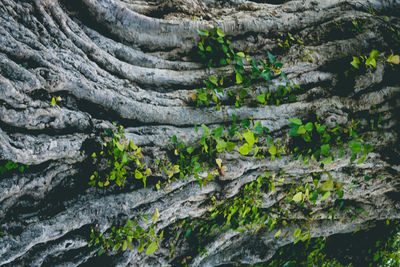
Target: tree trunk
{"points": [[134, 62]]}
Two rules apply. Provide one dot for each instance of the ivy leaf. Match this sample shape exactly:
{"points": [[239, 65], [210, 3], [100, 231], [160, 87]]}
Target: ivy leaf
{"points": [[230, 146], [361, 160], [325, 149], [242, 94], [220, 33], [249, 136], [328, 185], [124, 158], [219, 162], [221, 145], [278, 233], [355, 62], [220, 40], [132, 145], [321, 129], [271, 58], [355, 146], [266, 75], [394, 59], [293, 131], [203, 32], [301, 130], [218, 132], [327, 160], [326, 195], [156, 215], [214, 80], [245, 149], [376, 256], [258, 128], [174, 139], [125, 245], [117, 246], [202, 96], [151, 248], [261, 98], [141, 247], [295, 121], [190, 150], [206, 130], [309, 126], [240, 54], [297, 232], [138, 174], [368, 148], [306, 138], [298, 197], [101, 252], [120, 146], [272, 150], [239, 78], [370, 62], [374, 53]]}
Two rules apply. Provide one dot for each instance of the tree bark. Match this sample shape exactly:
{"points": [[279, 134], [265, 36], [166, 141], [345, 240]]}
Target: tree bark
{"points": [[134, 62]]}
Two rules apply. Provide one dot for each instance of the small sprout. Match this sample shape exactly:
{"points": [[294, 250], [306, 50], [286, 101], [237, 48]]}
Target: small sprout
{"points": [[53, 102]]}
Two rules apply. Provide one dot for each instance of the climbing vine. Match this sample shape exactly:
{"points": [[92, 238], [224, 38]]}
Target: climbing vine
{"points": [[123, 160], [308, 141]]}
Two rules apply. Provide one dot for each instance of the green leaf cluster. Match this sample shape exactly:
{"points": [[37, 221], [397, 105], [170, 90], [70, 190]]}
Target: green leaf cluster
{"points": [[10, 166], [214, 48], [210, 50], [315, 140], [369, 61], [127, 236], [123, 158]]}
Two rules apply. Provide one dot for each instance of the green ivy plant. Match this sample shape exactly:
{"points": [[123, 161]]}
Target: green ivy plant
{"points": [[368, 61], [214, 48], [260, 69], [127, 236], [123, 158], [389, 253], [285, 41], [210, 92], [192, 161], [314, 140], [311, 140], [10, 165], [241, 213]]}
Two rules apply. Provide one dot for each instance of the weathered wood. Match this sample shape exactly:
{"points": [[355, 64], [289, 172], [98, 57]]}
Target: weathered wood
{"points": [[133, 62]]}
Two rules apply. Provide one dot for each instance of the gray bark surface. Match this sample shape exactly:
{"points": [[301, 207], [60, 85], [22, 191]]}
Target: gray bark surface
{"points": [[131, 61]]}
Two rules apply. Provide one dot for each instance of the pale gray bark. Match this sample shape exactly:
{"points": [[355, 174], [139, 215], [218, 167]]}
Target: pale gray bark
{"points": [[129, 61]]}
